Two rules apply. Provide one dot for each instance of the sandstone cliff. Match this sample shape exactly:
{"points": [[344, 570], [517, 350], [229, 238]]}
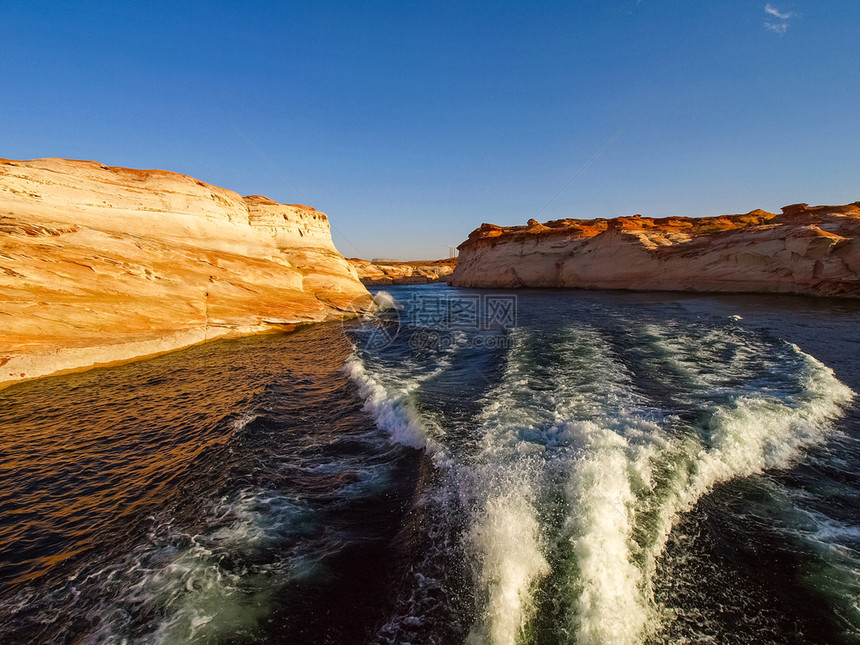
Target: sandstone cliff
{"points": [[381, 272], [803, 250], [101, 264]]}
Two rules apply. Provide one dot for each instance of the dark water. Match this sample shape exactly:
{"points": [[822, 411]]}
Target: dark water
{"points": [[606, 468]]}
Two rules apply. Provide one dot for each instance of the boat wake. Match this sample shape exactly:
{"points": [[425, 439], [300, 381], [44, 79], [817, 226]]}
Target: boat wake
{"points": [[585, 454]]}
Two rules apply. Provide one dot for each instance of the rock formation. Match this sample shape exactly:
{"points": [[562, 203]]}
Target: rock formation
{"points": [[380, 272], [803, 250], [101, 265]]}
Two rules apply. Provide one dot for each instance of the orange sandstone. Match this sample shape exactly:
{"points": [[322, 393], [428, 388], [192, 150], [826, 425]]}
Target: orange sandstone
{"points": [[101, 264], [803, 250], [382, 272]]}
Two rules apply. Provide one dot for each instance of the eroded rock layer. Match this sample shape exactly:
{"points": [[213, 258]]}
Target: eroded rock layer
{"points": [[803, 250], [381, 272], [101, 264]]}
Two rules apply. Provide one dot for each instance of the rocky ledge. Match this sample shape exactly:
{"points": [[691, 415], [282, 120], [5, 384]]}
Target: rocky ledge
{"points": [[100, 265], [381, 272], [810, 250]]}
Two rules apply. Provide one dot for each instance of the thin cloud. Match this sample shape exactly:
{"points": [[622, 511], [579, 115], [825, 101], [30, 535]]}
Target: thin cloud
{"points": [[776, 13], [778, 27], [777, 21]]}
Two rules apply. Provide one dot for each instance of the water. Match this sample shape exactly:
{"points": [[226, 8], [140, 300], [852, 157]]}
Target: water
{"points": [[610, 469]]}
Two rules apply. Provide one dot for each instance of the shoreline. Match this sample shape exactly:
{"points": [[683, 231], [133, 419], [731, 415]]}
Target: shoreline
{"points": [[73, 360]]}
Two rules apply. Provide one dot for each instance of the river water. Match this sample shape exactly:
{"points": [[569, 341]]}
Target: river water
{"points": [[466, 467]]}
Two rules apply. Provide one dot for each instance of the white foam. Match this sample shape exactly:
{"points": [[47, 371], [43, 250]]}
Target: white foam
{"points": [[505, 537], [200, 600], [607, 607], [391, 407], [611, 444], [385, 301], [589, 429], [628, 470], [751, 433], [388, 395]]}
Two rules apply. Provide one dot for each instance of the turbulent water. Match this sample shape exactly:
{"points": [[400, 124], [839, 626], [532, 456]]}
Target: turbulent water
{"points": [[465, 467]]}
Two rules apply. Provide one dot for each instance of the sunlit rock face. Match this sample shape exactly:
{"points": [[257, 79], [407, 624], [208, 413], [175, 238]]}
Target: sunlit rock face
{"points": [[803, 250], [381, 272], [101, 264]]}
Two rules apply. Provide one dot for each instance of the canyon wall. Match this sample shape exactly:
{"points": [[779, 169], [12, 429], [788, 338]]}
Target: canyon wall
{"points": [[101, 264], [382, 272], [803, 250]]}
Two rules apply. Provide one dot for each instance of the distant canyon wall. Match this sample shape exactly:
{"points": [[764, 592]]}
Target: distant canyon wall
{"points": [[102, 264], [383, 272], [803, 250]]}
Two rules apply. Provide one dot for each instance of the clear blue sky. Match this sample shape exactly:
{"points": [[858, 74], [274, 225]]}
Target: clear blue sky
{"points": [[412, 123]]}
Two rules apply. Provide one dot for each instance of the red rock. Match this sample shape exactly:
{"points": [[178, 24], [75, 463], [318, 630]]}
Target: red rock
{"points": [[807, 250]]}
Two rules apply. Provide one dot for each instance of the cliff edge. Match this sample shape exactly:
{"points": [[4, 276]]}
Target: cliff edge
{"points": [[803, 250], [102, 264]]}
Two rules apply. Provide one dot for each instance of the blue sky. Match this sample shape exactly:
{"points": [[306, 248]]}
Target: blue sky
{"points": [[412, 123]]}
